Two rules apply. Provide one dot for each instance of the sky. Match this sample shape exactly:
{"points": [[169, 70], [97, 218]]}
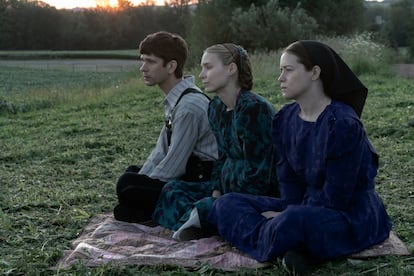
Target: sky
{"points": [[69, 4]]}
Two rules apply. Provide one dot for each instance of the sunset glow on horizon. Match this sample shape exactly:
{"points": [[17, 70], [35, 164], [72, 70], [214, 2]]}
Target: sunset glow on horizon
{"points": [[70, 4]]}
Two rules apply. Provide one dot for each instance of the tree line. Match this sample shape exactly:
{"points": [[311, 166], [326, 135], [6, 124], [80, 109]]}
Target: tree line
{"points": [[255, 24]]}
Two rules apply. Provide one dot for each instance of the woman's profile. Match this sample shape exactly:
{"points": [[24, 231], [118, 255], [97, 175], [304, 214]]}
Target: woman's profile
{"points": [[326, 170], [241, 122]]}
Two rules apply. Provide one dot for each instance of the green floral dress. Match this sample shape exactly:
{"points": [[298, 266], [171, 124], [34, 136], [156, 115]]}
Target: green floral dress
{"points": [[246, 162]]}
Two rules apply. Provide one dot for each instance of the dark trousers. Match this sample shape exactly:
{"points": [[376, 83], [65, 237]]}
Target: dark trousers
{"points": [[137, 196]]}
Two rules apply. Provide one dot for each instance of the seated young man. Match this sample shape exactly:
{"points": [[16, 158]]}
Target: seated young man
{"points": [[186, 147]]}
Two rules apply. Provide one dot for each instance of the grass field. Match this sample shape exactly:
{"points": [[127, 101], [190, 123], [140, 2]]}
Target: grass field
{"points": [[47, 54], [65, 137]]}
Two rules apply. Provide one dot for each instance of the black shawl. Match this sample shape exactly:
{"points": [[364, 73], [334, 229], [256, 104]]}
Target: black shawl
{"points": [[339, 82]]}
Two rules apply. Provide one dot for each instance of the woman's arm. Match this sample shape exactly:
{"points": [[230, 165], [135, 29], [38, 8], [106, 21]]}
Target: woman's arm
{"points": [[344, 158], [253, 129]]}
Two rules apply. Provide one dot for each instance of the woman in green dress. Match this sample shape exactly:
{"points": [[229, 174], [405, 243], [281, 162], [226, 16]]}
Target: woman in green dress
{"points": [[241, 122]]}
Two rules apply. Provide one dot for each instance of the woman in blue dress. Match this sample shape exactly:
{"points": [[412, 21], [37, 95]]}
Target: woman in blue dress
{"points": [[326, 169], [241, 122]]}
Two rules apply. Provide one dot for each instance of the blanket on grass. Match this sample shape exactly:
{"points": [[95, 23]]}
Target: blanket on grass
{"points": [[106, 240]]}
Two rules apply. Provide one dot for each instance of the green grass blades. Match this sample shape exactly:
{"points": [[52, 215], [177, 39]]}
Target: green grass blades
{"points": [[25, 89], [59, 162]]}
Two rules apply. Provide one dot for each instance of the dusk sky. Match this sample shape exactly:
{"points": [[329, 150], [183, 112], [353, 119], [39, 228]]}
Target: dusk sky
{"points": [[69, 4]]}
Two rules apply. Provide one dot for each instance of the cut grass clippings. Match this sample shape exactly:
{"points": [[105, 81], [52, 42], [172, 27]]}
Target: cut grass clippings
{"points": [[59, 164]]}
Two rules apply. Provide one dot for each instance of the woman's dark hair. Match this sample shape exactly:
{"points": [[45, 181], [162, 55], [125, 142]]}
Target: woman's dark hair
{"points": [[228, 53], [167, 46], [297, 49], [339, 82]]}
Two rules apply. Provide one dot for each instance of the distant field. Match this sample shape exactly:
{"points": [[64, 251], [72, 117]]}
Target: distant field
{"points": [[109, 54], [26, 88], [72, 64], [116, 60], [15, 81]]}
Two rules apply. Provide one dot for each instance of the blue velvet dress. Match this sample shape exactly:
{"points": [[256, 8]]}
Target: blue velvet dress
{"points": [[329, 206], [245, 164]]}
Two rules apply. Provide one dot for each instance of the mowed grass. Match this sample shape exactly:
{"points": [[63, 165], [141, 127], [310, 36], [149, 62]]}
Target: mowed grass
{"points": [[25, 89], [59, 162], [47, 54]]}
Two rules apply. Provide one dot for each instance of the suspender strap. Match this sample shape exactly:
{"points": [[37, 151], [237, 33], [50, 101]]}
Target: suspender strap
{"points": [[168, 121]]}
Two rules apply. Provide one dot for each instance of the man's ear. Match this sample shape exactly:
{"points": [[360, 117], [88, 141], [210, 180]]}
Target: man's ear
{"points": [[172, 65], [316, 72]]}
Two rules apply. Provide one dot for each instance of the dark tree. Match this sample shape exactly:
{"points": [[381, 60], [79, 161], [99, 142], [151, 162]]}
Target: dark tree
{"points": [[338, 17]]}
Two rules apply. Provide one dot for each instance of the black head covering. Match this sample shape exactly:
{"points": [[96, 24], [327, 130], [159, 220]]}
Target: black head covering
{"points": [[339, 82]]}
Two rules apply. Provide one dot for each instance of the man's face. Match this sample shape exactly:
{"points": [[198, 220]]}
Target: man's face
{"points": [[153, 70]]}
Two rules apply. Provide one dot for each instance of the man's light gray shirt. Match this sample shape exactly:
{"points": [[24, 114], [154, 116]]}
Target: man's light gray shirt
{"points": [[191, 133]]}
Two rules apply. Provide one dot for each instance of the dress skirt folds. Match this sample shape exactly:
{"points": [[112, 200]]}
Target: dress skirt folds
{"points": [[328, 206]]}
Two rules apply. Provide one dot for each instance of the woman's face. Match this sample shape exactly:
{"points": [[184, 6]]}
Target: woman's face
{"points": [[294, 79], [214, 74]]}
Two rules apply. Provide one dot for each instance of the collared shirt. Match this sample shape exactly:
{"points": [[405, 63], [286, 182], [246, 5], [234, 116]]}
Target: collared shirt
{"points": [[191, 133]]}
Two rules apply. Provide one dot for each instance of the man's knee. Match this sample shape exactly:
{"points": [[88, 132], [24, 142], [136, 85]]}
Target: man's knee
{"points": [[125, 180]]}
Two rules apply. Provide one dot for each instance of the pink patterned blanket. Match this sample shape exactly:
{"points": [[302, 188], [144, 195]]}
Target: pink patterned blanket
{"points": [[105, 240]]}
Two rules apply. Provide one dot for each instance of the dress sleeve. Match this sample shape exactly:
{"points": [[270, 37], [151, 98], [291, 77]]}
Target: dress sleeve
{"points": [[215, 174], [345, 152], [255, 139], [213, 114]]}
